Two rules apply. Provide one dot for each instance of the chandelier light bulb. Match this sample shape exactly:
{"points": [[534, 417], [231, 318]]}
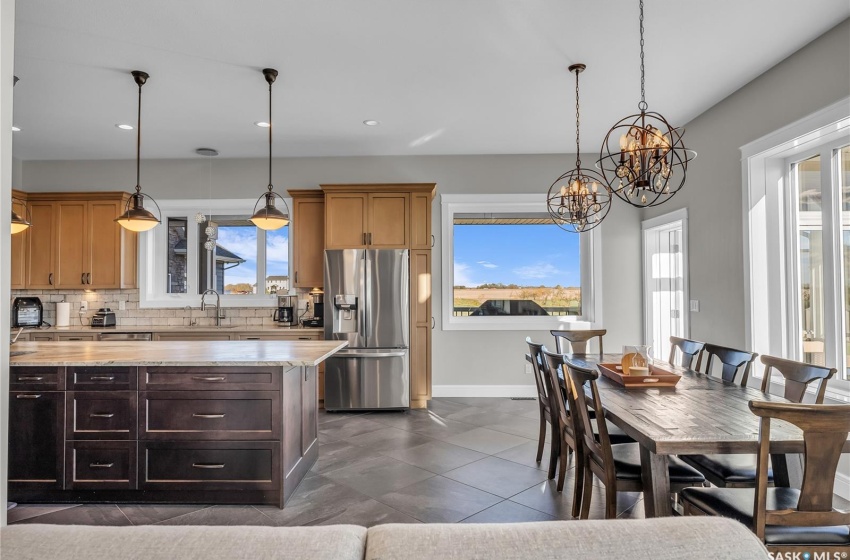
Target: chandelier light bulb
{"points": [[200, 218]]}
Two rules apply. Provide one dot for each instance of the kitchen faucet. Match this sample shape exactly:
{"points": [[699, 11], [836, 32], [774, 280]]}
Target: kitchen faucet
{"points": [[218, 313]]}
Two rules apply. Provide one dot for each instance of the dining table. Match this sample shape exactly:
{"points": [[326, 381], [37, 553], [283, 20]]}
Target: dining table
{"points": [[702, 414]]}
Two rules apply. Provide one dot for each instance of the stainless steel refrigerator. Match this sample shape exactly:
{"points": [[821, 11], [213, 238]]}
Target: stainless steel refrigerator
{"points": [[367, 303]]}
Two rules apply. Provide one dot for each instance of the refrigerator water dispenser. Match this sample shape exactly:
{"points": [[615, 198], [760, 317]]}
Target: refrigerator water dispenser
{"points": [[345, 313]]}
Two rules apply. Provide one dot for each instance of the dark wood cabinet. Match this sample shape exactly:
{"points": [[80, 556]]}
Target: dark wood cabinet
{"points": [[36, 439], [100, 465]]}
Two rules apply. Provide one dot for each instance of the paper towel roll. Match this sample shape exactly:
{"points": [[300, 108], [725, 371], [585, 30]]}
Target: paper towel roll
{"points": [[63, 314]]}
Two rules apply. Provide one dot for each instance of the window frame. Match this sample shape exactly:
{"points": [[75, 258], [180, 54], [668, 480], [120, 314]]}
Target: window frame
{"points": [[590, 262], [153, 263]]}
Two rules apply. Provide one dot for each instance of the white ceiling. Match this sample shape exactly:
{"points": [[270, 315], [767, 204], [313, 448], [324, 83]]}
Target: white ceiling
{"points": [[442, 76]]}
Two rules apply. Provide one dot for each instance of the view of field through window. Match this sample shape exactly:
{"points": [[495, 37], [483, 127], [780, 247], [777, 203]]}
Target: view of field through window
{"points": [[513, 264]]}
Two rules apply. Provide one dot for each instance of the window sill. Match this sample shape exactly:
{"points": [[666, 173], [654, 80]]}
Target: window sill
{"points": [[517, 323]]}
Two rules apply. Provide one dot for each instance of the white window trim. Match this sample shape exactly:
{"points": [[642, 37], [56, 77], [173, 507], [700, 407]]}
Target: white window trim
{"points": [[591, 263], [765, 215], [153, 258]]}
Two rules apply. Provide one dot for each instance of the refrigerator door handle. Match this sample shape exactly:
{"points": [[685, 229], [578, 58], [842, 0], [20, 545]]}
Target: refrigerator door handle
{"points": [[355, 354]]}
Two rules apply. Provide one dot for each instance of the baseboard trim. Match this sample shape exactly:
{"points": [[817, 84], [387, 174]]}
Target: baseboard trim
{"points": [[842, 485], [484, 390]]}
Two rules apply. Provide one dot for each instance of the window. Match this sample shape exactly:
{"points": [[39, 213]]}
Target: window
{"points": [[245, 264], [798, 243], [507, 266]]}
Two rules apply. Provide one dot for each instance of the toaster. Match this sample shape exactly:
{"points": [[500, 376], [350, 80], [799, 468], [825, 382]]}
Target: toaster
{"points": [[104, 317]]}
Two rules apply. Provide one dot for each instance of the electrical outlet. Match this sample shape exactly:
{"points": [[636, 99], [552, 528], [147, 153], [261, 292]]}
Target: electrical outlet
{"points": [[528, 368], [695, 305], [84, 306], [122, 306]]}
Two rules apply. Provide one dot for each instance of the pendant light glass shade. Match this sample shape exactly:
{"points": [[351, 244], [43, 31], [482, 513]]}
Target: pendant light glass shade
{"points": [[19, 224], [269, 217], [136, 217]]}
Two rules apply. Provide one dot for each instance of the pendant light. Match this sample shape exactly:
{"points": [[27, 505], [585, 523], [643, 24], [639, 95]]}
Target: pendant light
{"points": [[579, 199], [20, 224], [643, 158], [135, 216], [269, 217]]}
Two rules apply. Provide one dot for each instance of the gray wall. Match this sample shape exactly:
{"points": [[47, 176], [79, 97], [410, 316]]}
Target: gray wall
{"points": [[810, 79], [459, 357]]}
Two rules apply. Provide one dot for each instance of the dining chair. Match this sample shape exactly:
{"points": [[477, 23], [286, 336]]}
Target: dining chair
{"points": [[544, 401], [732, 361], [617, 466], [789, 520], [739, 470], [577, 339], [688, 349]]}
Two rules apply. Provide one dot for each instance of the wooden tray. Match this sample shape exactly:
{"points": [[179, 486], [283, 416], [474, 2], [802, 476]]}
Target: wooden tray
{"points": [[658, 377]]}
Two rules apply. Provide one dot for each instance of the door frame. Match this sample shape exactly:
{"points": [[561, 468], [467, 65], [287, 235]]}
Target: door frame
{"points": [[680, 215]]}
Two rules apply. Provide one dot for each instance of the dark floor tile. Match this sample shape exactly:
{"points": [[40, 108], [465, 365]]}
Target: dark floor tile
{"points": [[497, 476], [439, 500], [27, 511], [369, 514], [485, 440], [149, 514], [526, 454], [443, 406], [221, 515], [379, 475], [316, 500], [350, 427], [326, 417], [518, 426], [339, 454], [508, 512], [389, 439], [517, 407], [439, 427], [545, 497], [480, 417], [436, 456], [634, 512], [104, 515]]}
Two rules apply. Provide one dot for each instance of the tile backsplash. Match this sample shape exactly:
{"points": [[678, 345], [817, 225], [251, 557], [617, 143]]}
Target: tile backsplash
{"points": [[133, 316]]}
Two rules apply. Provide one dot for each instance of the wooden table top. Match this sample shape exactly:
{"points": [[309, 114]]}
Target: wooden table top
{"points": [[185, 353], [700, 415]]}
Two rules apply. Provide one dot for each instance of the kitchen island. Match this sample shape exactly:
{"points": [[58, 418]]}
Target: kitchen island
{"points": [[210, 422]]}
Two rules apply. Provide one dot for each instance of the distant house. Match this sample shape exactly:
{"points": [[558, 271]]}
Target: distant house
{"points": [[275, 284], [224, 260]]}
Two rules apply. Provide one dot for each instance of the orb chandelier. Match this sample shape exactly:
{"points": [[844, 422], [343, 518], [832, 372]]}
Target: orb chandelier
{"points": [[135, 216], [579, 199], [643, 158], [269, 217]]}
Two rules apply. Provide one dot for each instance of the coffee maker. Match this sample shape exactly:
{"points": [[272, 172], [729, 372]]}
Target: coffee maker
{"points": [[284, 315]]}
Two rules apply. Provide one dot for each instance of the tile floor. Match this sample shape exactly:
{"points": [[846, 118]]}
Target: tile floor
{"points": [[463, 460]]}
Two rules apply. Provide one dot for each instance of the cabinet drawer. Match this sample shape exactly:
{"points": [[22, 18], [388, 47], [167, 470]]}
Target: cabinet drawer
{"points": [[101, 415], [82, 378], [211, 466], [80, 337], [37, 378], [101, 465], [209, 378], [223, 415]]}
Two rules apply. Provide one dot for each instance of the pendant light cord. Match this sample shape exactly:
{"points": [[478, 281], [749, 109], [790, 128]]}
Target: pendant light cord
{"points": [[139, 141], [270, 137], [642, 105], [578, 149]]}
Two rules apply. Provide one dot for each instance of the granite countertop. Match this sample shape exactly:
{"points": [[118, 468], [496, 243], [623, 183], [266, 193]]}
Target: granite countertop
{"points": [[195, 353], [171, 328]]}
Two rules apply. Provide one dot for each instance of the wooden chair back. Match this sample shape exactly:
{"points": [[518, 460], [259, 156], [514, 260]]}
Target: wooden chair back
{"points": [[577, 339], [825, 429], [541, 378], [689, 350], [599, 453], [732, 361], [554, 363], [798, 376]]}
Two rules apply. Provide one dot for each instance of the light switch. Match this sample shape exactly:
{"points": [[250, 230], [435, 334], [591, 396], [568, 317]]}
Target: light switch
{"points": [[528, 368], [122, 305], [695, 305]]}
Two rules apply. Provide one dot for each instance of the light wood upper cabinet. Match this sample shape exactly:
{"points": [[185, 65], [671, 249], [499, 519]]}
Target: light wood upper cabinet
{"points": [[388, 220], [75, 243], [308, 238], [345, 220], [420, 220], [19, 244]]}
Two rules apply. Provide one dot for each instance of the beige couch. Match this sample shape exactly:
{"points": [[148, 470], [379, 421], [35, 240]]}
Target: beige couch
{"points": [[702, 538]]}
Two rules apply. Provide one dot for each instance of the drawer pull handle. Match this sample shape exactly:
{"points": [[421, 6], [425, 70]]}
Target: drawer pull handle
{"points": [[101, 415], [253, 338], [199, 415], [202, 378], [208, 465], [100, 465], [26, 378], [102, 378], [304, 338], [28, 396]]}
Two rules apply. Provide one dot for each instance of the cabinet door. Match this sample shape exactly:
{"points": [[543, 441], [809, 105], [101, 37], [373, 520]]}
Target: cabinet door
{"points": [[103, 267], [420, 221], [310, 411], [42, 239], [19, 250], [308, 234], [420, 328], [345, 220], [388, 224], [36, 440], [72, 256]]}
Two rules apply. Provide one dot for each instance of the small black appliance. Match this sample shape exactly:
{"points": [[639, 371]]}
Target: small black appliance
{"points": [[27, 312], [104, 317]]}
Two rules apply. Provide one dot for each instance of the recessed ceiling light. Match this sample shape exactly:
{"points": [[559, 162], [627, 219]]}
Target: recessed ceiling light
{"points": [[371, 123], [15, 129], [124, 126], [262, 124]]}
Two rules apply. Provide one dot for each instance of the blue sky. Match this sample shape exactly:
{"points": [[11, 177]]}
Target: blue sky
{"points": [[243, 242], [526, 255]]}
